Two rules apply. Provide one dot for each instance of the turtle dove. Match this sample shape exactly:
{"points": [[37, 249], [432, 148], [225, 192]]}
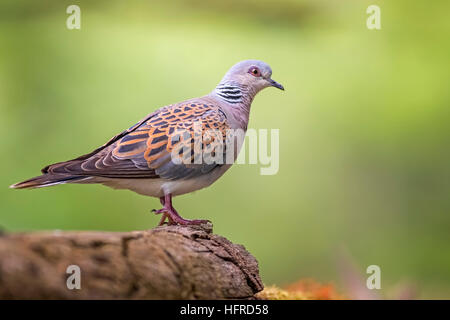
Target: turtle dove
{"points": [[141, 158]]}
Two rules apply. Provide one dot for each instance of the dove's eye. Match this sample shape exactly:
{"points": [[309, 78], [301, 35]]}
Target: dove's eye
{"points": [[254, 71]]}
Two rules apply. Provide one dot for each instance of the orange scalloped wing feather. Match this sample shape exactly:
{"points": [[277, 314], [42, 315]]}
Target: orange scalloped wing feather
{"points": [[145, 150]]}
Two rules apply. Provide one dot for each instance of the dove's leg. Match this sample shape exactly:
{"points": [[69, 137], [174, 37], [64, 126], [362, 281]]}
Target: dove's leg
{"points": [[169, 212], [164, 215]]}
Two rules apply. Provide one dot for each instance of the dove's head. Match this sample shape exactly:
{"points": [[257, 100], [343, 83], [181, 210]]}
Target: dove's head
{"points": [[254, 74], [247, 77]]}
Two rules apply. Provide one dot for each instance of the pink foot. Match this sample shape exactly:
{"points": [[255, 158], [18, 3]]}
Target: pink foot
{"points": [[168, 212]]}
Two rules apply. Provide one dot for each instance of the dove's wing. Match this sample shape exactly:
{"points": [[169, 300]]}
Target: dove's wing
{"points": [[145, 150]]}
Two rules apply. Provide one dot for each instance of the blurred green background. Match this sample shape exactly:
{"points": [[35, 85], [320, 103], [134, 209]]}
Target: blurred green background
{"points": [[364, 125]]}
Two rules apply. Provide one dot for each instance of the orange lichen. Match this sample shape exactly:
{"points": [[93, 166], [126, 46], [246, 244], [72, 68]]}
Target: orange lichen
{"points": [[306, 289]]}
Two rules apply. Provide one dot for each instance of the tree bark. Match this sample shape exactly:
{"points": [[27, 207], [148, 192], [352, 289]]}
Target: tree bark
{"points": [[168, 262]]}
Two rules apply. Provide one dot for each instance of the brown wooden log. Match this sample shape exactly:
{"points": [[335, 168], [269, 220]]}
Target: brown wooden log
{"points": [[168, 262]]}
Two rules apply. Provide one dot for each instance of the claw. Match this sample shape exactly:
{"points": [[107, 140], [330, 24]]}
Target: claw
{"points": [[163, 210]]}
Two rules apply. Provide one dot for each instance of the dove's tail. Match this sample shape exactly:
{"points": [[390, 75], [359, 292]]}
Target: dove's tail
{"points": [[47, 180]]}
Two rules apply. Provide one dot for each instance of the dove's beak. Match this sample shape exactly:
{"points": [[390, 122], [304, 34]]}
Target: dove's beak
{"points": [[275, 84]]}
